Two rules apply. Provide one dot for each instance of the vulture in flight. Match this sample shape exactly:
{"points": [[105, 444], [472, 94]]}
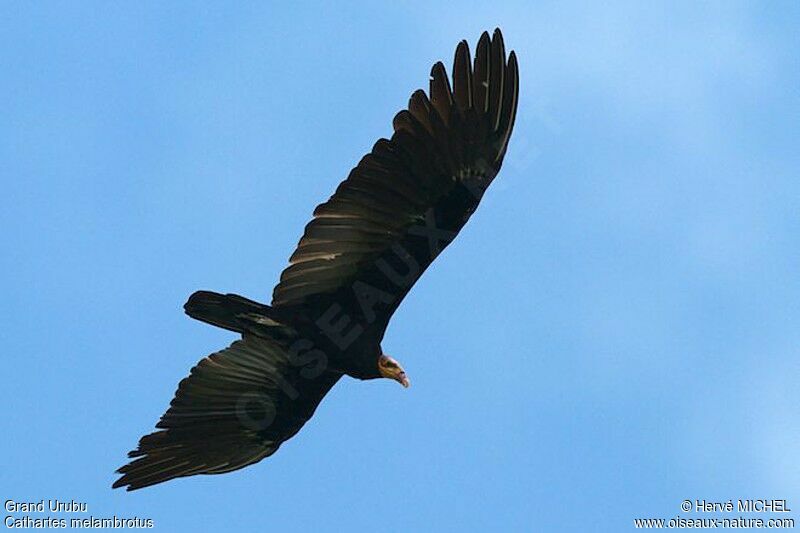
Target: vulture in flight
{"points": [[359, 256]]}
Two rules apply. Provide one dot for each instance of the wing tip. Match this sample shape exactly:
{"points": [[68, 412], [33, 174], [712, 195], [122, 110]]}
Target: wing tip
{"points": [[438, 69], [497, 34]]}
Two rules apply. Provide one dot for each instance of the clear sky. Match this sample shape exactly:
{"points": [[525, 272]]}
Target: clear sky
{"points": [[616, 330]]}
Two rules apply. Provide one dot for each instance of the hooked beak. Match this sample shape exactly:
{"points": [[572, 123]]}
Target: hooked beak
{"points": [[402, 379]]}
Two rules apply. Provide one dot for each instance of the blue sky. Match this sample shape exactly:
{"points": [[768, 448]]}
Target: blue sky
{"points": [[616, 330]]}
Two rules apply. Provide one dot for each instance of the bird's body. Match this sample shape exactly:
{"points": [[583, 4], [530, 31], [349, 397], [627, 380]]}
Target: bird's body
{"points": [[358, 258]]}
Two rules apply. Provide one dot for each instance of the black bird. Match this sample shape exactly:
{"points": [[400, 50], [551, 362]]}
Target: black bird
{"points": [[358, 258]]}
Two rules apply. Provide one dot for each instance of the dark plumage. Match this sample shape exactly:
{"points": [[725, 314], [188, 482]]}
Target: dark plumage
{"points": [[358, 258]]}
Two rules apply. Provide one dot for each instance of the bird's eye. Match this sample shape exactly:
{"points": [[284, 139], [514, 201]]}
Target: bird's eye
{"points": [[390, 364]]}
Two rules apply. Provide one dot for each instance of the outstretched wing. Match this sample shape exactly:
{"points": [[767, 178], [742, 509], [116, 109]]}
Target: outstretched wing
{"points": [[409, 197], [236, 407]]}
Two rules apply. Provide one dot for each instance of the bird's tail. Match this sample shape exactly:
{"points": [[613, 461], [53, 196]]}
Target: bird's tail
{"points": [[235, 313]]}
